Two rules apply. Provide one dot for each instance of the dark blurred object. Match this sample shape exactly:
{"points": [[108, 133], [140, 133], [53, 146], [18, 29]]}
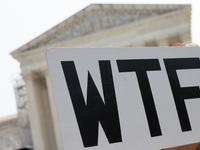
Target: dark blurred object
{"points": [[198, 148], [26, 148]]}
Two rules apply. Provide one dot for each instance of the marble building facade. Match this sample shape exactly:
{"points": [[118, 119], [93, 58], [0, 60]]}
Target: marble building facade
{"points": [[9, 133], [98, 25]]}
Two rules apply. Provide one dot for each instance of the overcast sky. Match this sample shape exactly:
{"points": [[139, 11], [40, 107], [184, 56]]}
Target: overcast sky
{"points": [[23, 20]]}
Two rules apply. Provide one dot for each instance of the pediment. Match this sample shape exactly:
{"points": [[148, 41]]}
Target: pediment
{"points": [[99, 17]]}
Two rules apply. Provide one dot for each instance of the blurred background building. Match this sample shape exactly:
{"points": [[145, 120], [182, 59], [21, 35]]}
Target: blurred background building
{"points": [[98, 25]]}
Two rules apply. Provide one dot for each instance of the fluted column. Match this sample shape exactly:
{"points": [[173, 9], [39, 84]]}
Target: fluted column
{"points": [[40, 113], [185, 38], [36, 130], [162, 40]]}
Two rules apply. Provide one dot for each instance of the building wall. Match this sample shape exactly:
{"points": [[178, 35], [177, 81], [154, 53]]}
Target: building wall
{"points": [[9, 133]]}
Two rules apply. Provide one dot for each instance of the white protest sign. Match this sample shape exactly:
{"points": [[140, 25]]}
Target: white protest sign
{"points": [[126, 98]]}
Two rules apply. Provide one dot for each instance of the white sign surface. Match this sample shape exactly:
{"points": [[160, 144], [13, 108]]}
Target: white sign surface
{"points": [[126, 98]]}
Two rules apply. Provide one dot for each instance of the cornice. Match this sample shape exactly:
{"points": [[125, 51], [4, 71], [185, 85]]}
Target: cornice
{"points": [[98, 17]]}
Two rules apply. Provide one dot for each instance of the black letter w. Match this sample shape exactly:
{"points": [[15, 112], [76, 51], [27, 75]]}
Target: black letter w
{"points": [[89, 115]]}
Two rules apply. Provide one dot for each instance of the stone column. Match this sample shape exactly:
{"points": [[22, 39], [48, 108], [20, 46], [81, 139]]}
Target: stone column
{"points": [[36, 130], [185, 37], [40, 114], [53, 111], [162, 41]]}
